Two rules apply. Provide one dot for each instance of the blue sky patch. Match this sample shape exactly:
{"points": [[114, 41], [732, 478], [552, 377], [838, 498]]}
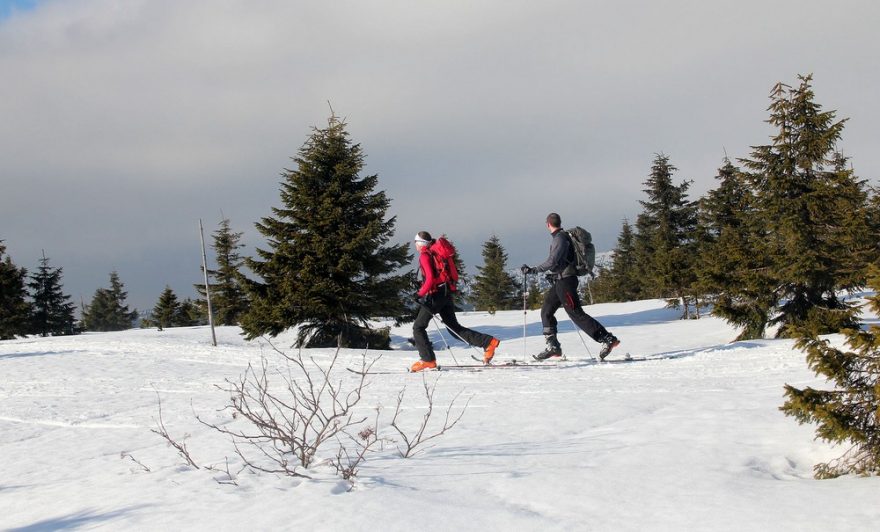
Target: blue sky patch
{"points": [[7, 7]]}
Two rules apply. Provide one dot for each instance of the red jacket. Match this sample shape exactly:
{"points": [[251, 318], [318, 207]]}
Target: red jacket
{"points": [[426, 263], [443, 251]]}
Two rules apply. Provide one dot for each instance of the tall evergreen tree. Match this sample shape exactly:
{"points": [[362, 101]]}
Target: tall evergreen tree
{"points": [[665, 243], [108, 311], [52, 310], [228, 296], [329, 268], [494, 288], [849, 413], [815, 213], [14, 307]]}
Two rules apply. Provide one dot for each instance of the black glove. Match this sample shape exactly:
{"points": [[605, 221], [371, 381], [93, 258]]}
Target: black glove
{"points": [[526, 269]]}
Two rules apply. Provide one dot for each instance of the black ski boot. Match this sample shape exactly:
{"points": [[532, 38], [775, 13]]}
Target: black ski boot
{"points": [[609, 342], [553, 349]]}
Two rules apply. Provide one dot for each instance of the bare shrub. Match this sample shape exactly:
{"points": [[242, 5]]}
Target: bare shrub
{"points": [[292, 411], [283, 415]]}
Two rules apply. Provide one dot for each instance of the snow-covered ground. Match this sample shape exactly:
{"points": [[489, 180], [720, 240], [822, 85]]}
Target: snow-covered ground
{"points": [[693, 441]]}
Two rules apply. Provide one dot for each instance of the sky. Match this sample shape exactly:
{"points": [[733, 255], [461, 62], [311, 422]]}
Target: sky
{"points": [[127, 121]]}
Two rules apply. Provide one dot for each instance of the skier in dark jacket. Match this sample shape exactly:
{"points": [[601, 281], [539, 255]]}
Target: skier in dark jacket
{"points": [[435, 297], [563, 292]]}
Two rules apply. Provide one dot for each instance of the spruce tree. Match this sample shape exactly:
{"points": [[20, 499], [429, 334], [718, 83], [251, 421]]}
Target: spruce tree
{"points": [[494, 288], [14, 308], [733, 253], [228, 296], [665, 243], [52, 310], [815, 214], [849, 413], [329, 267], [166, 313], [108, 311]]}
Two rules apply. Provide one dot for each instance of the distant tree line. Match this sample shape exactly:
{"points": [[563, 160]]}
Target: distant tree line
{"points": [[33, 303]]}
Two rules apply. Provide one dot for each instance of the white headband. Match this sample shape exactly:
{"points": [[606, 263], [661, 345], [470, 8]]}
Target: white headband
{"points": [[420, 239]]}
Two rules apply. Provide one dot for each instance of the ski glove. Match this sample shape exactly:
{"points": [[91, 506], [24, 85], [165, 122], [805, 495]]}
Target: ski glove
{"points": [[526, 269]]}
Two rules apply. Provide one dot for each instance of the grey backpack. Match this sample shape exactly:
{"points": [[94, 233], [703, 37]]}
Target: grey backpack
{"points": [[584, 250]]}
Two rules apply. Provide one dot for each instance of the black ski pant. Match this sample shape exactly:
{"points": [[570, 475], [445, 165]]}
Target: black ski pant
{"points": [[564, 293], [441, 303]]}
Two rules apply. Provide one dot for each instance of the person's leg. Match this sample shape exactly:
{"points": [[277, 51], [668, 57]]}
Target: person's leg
{"points": [[566, 289], [420, 335], [548, 310], [475, 338], [572, 304], [548, 321]]}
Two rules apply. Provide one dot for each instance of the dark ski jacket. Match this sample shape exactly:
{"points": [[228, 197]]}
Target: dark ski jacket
{"points": [[561, 260]]}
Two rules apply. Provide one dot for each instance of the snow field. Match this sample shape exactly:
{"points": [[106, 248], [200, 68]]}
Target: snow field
{"points": [[695, 441]]}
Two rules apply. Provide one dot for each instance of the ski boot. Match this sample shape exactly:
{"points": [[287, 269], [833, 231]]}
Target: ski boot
{"points": [[490, 350], [422, 365], [609, 342], [553, 349]]}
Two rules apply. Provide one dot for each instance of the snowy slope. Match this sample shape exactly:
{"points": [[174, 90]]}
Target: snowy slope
{"points": [[692, 442]]}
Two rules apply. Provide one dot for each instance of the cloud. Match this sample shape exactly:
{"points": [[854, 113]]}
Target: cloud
{"points": [[126, 121]]}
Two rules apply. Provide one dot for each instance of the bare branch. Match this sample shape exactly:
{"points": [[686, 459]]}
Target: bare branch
{"points": [[414, 443], [123, 455], [230, 477], [181, 445]]}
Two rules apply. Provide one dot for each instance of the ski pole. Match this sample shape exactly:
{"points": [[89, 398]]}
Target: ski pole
{"points": [[585, 343], [455, 335], [525, 311], [434, 319]]}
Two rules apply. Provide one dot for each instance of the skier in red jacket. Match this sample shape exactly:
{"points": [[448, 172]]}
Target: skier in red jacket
{"points": [[438, 274]]}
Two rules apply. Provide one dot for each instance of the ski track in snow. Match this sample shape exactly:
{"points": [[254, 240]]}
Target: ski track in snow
{"points": [[691, 439]]}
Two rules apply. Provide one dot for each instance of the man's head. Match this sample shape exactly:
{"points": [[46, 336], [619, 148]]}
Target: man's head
{"points": [[422, 239], [554, 222]]}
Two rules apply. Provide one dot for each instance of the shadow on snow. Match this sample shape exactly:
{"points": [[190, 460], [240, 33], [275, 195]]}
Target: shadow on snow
{"points": [[76, 520]]}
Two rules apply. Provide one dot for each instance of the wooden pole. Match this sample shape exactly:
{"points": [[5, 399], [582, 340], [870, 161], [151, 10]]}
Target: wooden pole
{"points": [[207, 285]]}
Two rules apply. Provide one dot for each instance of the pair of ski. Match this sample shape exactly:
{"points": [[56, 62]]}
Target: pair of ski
{"points": [[561, 362], [553, 362]]}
